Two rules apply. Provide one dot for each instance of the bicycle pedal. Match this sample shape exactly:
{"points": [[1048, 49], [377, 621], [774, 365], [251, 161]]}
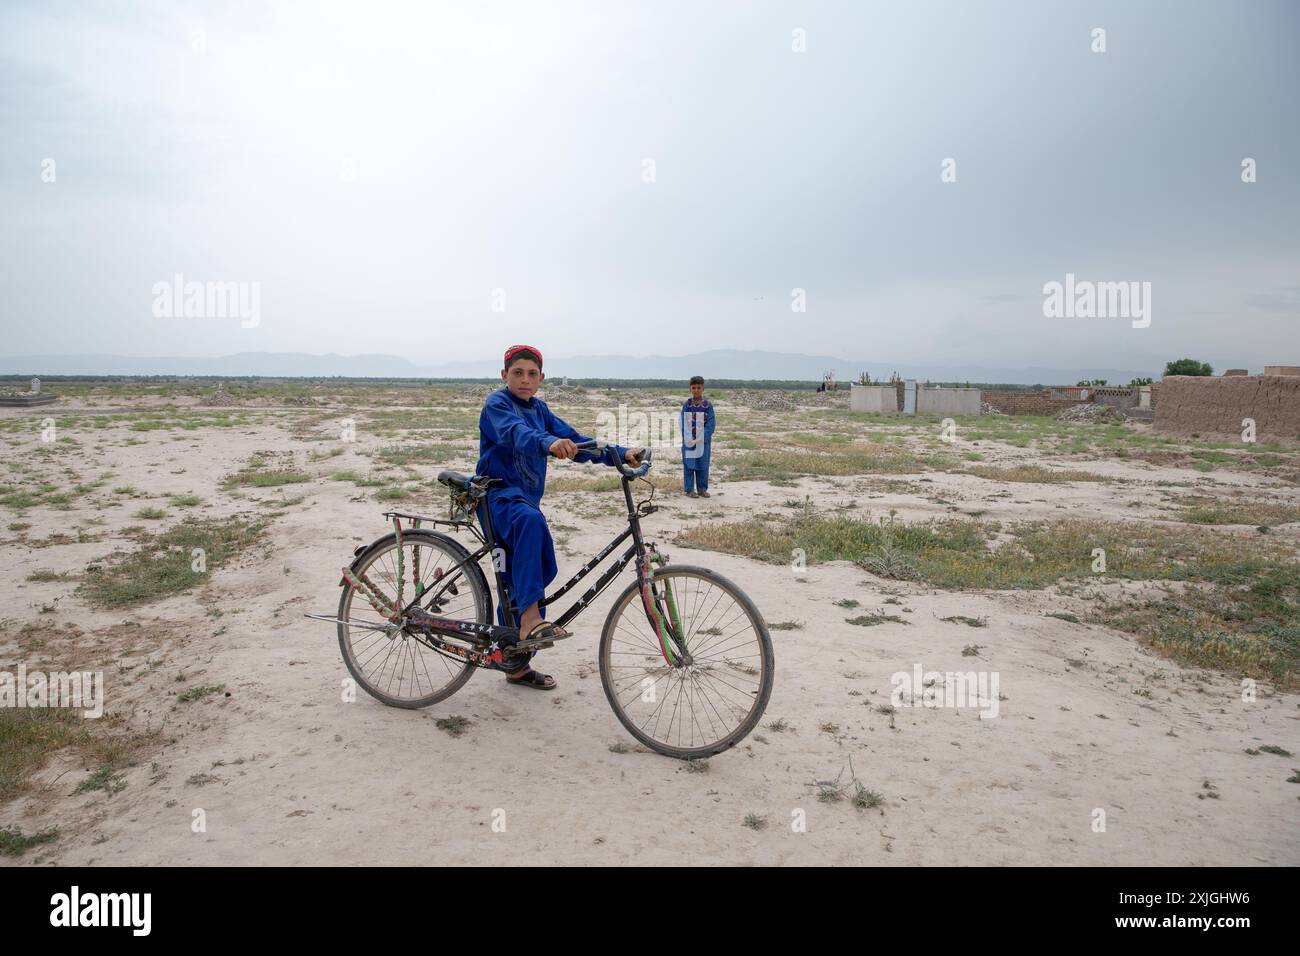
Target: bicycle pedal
{"points": [[524, 647]]}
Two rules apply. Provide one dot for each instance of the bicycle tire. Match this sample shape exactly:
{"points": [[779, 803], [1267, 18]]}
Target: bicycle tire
{"points": [[629, 602]]}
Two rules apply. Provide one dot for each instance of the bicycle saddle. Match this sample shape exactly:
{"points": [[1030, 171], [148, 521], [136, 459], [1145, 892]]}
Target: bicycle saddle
{"points": [[455, 479]]}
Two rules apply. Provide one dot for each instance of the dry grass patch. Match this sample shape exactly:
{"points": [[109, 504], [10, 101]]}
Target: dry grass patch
{"points": [[1032, 473], [1241, 614], [165, 564], [266, 470], [1204, 510], [1248, 623], [583, 484], [856, 460], [960, 553], [29, 737], [433, 453]]}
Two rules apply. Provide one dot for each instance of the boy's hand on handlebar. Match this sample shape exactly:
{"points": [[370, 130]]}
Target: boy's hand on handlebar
{"points": [[563, 448], [633, 456]]}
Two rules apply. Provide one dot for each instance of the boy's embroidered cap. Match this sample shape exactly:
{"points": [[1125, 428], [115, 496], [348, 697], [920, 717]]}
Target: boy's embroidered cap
{"points": [[516, 349]]}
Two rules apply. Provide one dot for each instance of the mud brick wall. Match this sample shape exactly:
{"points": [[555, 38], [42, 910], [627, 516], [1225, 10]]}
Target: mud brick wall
{"points": [[1016, 402], [1216, 406]]}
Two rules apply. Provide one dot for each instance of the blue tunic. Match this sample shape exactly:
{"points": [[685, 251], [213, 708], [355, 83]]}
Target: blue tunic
{"points": [[698, 421], [515, 439]]}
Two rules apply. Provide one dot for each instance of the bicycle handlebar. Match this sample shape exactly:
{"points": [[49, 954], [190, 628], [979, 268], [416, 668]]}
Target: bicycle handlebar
{"points": [[609, 453]]}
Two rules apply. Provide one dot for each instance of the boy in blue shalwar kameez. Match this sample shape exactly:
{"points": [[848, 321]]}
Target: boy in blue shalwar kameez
{"points": [[517, 433], [698, 423]]}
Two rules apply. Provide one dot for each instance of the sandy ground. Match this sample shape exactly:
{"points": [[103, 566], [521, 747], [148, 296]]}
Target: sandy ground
{"points": [[286, 772]]}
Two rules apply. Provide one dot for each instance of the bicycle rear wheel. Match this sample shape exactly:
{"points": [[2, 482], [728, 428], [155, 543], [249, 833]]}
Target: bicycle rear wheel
{"points": [[390, 663], [715, 696]]}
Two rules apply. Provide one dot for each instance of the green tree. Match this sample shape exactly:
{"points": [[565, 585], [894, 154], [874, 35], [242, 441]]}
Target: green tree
{"points": [[1186, 366], [1140, 381]]}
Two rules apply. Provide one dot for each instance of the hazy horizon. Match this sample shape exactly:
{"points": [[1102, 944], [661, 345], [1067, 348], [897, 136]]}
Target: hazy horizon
{"points": [[726, 364]]}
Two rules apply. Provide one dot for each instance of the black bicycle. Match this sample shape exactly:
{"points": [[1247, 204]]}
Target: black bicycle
{"points": [[685, 657]]}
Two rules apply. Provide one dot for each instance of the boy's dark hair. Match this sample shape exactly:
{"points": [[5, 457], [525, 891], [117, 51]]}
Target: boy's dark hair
{"points": [[697, 379], [523, 354]]}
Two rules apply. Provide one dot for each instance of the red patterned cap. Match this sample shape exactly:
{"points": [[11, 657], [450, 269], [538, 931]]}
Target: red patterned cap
{"points": [[516, 349]]}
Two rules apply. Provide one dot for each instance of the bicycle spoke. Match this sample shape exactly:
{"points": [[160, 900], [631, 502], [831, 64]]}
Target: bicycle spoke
{"points": [[394, 663], [697, 705]]}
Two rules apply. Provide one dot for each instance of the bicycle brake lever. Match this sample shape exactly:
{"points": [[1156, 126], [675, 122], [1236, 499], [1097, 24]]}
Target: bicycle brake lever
{"points": [[636, 472]]}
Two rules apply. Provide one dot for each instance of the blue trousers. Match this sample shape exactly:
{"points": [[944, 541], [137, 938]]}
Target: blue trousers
{"points": [[695, 472], [521, 530], [530, 566]]}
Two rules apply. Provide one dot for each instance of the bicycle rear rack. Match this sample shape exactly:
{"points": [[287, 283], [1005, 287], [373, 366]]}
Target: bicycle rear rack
{"points": [[415, 521]]}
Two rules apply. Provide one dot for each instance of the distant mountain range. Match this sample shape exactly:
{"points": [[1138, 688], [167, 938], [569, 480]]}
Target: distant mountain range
{"points": [[716, 364]]}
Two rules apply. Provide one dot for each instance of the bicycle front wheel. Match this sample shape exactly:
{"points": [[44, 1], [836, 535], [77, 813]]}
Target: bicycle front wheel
{"points": [[708, 701]]}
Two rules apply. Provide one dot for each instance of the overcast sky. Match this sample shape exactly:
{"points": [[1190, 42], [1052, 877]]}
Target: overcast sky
{"points": [[380, 169]]}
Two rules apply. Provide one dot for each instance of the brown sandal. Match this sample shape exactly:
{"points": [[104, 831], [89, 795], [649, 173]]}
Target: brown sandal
{"points": [[547, 631], [533, 679]]}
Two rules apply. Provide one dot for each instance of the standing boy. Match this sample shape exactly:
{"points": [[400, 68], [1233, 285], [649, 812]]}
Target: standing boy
{"points": [[517, 433], [698, 422]]}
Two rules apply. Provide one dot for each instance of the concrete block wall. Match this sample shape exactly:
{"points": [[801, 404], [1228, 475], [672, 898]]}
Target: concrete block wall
{"points": [[873, 398], [1115, 397], [947, 401]]}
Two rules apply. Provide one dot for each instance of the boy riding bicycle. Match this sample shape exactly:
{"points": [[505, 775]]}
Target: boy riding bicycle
{"points": [[517, 433]]}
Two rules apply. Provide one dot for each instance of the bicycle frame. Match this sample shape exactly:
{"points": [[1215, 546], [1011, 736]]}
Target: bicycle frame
{"points": [[639, 552]]}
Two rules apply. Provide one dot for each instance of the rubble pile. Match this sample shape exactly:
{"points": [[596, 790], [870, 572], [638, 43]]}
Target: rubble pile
{"points": [[220, 398], [570, 394], [766, 400], [1090, 413]]}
